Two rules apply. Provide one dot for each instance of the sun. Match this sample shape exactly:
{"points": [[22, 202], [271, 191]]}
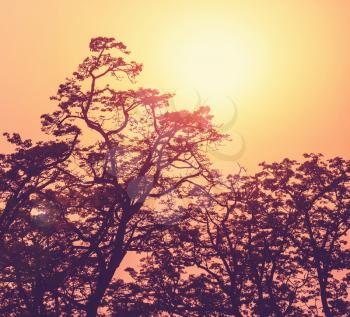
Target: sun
{"points": [[219, 62]]}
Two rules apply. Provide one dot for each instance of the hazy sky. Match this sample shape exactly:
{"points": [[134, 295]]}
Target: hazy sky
{"points": [[285, 64]]}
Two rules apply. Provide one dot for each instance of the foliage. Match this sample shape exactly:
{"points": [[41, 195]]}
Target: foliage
{"points": [[123, 173]]}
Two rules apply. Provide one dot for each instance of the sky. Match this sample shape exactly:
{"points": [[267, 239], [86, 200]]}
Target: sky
{"points": [[275, 73]]}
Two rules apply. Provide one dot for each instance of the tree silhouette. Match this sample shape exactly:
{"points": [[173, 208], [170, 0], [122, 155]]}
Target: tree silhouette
{"points": [[246, 249], [241, 254], [139, 152], [123, 173], [26, 176], [27, 172], [316, 194]]}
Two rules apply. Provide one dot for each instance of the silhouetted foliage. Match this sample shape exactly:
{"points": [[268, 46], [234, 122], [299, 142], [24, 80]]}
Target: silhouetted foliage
{"points": [[123, 173], [98, 204], [274, 244]]}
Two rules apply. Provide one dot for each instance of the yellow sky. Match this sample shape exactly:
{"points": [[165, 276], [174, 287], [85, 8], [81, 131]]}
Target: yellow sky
{"points": [[285, 64]]}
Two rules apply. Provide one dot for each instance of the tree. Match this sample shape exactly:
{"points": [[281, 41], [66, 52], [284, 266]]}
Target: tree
{"points": [[273, 244], [139, 153], [26, 176], [28, 171], [123, 173], [240, 245], [316, 194]]}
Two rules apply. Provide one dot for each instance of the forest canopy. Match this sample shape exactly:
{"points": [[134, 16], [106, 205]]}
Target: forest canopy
{"points": [[275, 243]]}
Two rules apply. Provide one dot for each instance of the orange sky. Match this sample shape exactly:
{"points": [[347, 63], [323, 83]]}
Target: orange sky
{"points": [[285, 64]]}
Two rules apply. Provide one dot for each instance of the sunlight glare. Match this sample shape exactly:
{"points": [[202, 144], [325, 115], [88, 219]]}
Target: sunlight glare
{"points": [[220, 63]]}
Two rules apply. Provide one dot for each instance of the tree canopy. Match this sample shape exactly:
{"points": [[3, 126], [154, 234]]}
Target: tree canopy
{"points": [[123, 173]]}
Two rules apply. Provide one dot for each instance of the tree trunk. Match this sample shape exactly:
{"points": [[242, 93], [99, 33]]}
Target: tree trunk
{"points": [[235, 306], [105, 277], [323, 290], [103, 283]]}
